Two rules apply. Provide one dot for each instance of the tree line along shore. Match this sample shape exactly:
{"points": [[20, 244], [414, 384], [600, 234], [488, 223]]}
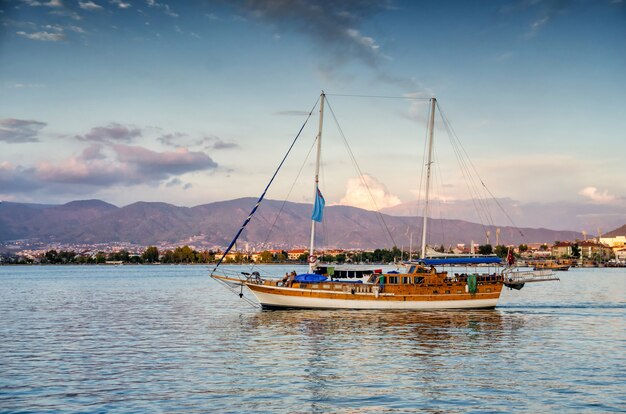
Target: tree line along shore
{"points": [[188, 255]]}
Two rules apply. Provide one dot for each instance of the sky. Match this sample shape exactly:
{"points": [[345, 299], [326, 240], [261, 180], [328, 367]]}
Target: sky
{"points": [[197, 101]]}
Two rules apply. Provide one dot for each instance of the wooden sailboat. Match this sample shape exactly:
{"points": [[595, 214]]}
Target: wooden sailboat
{"points": [[419, 285]]}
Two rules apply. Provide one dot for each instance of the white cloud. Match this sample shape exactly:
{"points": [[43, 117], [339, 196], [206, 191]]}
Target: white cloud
{"points": [[51, 3], [90, 5], [120, 4], [364, 41], [357, 194], [43, 36], [597, 196]]}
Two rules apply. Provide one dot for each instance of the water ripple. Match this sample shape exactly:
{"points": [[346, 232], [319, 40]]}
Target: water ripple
{"points": [[167, 339]]}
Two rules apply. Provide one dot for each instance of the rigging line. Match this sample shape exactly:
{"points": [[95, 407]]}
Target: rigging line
{"points": [[467, 176], [378, 96], [472, 186], [439, 188], [250, 302], [256, 206], [504, 211], [481, 180], [379, 215], [282, 207]]}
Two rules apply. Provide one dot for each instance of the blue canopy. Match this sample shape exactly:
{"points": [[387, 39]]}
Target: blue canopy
{"points": [[462, 260], [310, 277]]}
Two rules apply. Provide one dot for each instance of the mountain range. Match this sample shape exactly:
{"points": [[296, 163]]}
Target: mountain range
{"points": [[215, 224]]}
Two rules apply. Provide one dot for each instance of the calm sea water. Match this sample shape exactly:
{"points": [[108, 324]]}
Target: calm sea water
{"points": [[169, 339]]}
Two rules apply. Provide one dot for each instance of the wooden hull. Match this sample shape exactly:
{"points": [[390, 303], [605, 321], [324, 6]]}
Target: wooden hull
{"points": [[280, 297]]}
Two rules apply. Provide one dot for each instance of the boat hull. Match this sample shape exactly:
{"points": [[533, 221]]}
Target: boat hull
{"points": [[305, 299]]}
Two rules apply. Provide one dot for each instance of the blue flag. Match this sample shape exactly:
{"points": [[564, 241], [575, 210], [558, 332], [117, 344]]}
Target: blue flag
{"points": [[318, 208]]}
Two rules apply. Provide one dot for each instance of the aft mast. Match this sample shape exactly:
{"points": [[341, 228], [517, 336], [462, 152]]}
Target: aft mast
{"points": [[312, 258], [431, 128]]}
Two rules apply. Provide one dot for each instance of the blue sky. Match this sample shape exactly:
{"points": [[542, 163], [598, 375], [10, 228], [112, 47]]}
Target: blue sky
{"points": [[194, 102]]}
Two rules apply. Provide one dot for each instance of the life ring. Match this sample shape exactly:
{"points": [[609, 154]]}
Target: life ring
{"points": [[312, 259]]}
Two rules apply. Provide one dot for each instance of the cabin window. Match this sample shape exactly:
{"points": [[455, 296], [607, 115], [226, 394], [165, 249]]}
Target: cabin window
{"points": [[392, 280], [447, 291], [435, 292], [412, 269], [418, 280], [406, 280]]}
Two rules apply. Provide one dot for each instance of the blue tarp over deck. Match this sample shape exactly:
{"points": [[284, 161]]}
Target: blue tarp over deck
{"points": [[462, 260]]}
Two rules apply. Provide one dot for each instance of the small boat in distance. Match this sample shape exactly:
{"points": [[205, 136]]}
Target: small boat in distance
{"points": [[558, 267], [418, 285]]}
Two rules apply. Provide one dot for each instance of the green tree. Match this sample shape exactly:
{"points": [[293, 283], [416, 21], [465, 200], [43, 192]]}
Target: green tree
{"points": [[168, 257], [266, 257], [501, 251], [575, 250], [184, 254], [51, 256], [150, 255], [327, 258], [485, 249], [522, 248], [303, 257], [100, 257]]}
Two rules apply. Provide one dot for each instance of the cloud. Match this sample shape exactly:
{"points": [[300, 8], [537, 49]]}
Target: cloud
{"points": [[174, 182], [67, 13], [43, 36], [17, 179], [162, 164], [174, 139], [92, 152], [20, 85], [79, 171], [596, 196], [90, 6], [337, 28], [120, 4], [219, 144], [163, 6], [125, 166], [179, 139], [16, 131], [548, 10], [111, 132], [333, 25], [51, 3], [360, 192]]}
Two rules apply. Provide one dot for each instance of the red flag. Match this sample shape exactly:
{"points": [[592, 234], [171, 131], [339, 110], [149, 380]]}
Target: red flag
{"points": [[510, 259]]}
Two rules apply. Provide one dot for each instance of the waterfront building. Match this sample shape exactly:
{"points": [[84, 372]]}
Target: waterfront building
{"points": [[562, 249], [594, 250]]}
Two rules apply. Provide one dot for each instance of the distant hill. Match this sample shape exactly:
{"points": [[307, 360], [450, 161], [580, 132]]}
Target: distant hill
{"points": [[214, 224], [617, 232]]}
